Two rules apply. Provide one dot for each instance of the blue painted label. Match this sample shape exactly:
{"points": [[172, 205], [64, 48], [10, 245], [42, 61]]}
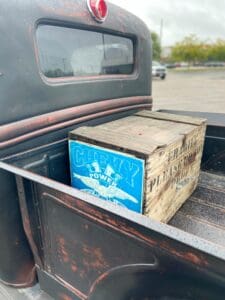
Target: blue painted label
{"points": [[107, 174]]}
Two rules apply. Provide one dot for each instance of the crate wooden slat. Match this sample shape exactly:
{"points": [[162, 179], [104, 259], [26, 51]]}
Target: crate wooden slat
{"points": [[171, 147], [171, 117]]}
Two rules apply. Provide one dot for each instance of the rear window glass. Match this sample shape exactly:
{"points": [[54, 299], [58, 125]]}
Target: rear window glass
{"points": [[66, 52]]}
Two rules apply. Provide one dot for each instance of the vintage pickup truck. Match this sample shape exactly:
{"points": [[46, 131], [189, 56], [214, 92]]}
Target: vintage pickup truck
{"points": [[64, 64]]}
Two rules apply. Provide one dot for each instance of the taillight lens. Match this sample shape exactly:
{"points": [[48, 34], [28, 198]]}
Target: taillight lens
{"points": [[98, 9]]}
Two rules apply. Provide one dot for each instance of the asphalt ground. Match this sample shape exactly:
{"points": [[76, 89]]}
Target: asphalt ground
{"points": [[32, 293], [192, 90]]}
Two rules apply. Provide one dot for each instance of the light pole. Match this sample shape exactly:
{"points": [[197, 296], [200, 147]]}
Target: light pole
{"points": [[161, 35]]}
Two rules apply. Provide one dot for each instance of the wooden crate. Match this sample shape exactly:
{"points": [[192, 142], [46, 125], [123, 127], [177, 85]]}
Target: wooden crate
{"points": [[171, 147]]}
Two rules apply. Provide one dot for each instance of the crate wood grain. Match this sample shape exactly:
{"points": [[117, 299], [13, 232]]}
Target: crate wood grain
{"points": [[171, 147]]}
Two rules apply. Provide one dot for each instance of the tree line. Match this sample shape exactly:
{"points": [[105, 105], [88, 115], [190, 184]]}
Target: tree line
{"points": [[192, 50]]}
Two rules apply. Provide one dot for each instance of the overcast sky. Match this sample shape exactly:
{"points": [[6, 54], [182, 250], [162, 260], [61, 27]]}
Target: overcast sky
{"points": [[205, 18]]}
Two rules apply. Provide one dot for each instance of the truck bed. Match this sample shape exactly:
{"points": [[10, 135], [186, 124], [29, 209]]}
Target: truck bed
{"points": [[197, 248], [202, 215]]}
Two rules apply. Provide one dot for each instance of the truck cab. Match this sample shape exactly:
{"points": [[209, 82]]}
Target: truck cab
{"points": [[65, 64]]}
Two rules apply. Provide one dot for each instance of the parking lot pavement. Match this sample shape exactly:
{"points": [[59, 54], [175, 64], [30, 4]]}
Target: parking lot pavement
{"points": [[191, 90], [33, 293]]}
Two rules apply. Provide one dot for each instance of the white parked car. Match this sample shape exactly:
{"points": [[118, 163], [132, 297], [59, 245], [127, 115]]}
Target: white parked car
{"points": [[158, 70]]}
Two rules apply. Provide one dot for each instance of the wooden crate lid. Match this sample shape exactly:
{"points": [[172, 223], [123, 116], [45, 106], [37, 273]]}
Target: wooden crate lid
{"points": [[140, 134], [171, 117], [112, 139]]}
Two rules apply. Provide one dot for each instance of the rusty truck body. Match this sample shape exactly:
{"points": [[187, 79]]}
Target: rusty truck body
{"points": [[60, 69]]}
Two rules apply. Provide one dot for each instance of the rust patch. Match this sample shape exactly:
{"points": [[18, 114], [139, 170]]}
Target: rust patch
{"points": [[17, 241], [63, 254], [89, 259], [93, 258], [96, 215], [187, 256], [27, 275], [195, 259], [15, 129], [66, 9], [65, 297], [20, 131], [74, 267], [26, 223], [72, 289], [98, 281], [122, 227]]}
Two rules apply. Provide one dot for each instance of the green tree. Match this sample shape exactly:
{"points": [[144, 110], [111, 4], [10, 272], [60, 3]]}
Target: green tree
{"points": [[156, 46], [190, 50], [216, 51]]}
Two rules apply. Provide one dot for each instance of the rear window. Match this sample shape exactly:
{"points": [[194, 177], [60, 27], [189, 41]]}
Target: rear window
{"points": [[66, 52]]}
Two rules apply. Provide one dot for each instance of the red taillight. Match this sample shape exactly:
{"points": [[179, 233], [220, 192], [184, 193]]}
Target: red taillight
{"points": [[98, 9]]}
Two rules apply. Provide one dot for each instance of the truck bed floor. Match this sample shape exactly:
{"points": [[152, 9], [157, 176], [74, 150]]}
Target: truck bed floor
{"points": [[203, 214]]}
